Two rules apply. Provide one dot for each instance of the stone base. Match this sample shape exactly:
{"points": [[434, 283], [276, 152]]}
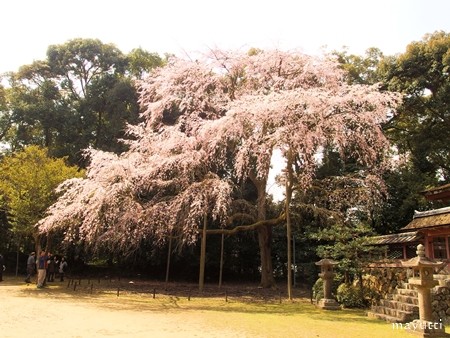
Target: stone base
{"points": [[328, 304], [422, 328]]}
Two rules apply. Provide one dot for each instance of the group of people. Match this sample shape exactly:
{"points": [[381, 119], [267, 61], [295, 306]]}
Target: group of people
{"points": [[47, 266]]}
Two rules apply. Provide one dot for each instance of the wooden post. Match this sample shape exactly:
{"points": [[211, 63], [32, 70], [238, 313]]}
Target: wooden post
{"points": [[221, 260], [201, 279], [289, 179], [169, 253]]}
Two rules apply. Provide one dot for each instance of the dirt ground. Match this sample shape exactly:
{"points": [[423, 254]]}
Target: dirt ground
{"points": [[26, 311]]}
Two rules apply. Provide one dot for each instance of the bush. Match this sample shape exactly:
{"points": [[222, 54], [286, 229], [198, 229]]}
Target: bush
{"points": [[317, 289], [350, 296]]}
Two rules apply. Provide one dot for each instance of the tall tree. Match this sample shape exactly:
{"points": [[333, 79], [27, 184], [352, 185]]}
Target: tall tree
{"points": [[79, 62], [211, 125], [422, 127], [301, 105], [35, 105], [90, 72], [82, 95]]}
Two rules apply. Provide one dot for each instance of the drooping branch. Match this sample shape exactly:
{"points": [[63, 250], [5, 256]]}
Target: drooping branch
{"points": [[241, 228]]}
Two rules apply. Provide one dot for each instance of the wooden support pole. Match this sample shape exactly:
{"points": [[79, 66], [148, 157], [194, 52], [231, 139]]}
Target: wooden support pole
{"points": [[201, 279]]}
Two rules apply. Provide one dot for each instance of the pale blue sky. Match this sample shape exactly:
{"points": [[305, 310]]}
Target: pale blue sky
{"points": [[183, 26]]}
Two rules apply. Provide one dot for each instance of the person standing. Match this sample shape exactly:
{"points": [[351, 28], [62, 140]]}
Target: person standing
{"points": [[62, 269], [31, 266], [42, 269], [50, 268], [2, 267]]}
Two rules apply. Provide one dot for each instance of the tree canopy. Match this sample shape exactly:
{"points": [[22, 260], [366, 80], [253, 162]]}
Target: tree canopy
{"points": [[209, 126], [422, 128], [83, 94]]}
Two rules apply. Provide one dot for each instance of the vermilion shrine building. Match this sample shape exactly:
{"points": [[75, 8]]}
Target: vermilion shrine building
{"points": [[430, 228]]}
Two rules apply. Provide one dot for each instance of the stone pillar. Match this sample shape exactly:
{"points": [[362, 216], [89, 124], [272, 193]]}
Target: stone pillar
{"points": [[327, 275], [424, 326]]}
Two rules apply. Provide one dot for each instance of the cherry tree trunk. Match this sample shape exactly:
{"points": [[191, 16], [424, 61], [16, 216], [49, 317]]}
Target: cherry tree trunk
{"points": [[265, 249], [264, 238]]}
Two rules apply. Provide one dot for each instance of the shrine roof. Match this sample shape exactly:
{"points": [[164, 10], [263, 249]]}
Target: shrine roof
{"points": [[441, 193], [404, 237], [429, 219]]}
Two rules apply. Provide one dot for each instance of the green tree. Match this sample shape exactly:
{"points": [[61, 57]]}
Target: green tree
{"points": [[422, 127], [403, 197], [360, 69], [141, 62], [89, 73], [36, 107], [27, 187], [79, 62], [5, 116], [83, 95]]}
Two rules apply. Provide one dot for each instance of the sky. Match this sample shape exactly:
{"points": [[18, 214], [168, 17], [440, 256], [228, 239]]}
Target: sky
{"points": [[185, 27], [188, 26]]}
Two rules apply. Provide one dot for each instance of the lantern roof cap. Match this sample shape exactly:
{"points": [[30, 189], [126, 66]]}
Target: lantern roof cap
{"points": [[421, 260], [326, 261]]}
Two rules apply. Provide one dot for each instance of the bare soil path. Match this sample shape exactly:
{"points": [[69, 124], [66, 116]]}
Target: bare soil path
{"points": [[29, 312]]}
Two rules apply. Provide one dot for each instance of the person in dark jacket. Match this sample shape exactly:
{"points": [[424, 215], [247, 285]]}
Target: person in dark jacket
{"points": [[51, 266]]}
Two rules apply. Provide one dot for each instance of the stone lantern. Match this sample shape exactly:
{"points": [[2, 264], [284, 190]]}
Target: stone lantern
{"points": [[327, 274], [424, 326]]}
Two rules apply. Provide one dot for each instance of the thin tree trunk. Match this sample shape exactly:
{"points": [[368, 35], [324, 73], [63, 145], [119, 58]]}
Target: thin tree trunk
{"points": [[294, 262], [17, 258], [48, 245], [222, 242], [98, 129], [201, 279], [288, 225], [289, 253], [37, 244], [169, 254]]}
